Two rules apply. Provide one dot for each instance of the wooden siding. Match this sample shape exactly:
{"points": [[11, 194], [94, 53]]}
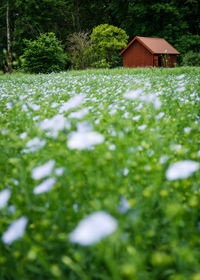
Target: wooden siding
{"points": [[160, 61], [173, 58], [137, 56]]}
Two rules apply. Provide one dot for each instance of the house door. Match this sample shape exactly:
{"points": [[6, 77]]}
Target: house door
{"points": [[155, 61], [160, 64]]}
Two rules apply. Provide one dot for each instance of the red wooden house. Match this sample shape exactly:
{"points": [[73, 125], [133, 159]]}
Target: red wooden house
{"points": [[149, 52]]}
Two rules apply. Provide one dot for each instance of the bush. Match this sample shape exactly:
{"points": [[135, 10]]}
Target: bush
{"points": [[191, 59], [44, 55], [78, 45], [107, 41]]}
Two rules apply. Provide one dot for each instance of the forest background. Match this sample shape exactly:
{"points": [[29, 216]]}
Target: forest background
{"points": [[178, 21]]}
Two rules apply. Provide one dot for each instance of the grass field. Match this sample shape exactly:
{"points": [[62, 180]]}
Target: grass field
{"points": [[99, 175]]}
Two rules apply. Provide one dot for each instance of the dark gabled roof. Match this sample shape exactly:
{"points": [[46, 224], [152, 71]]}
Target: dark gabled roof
{"points": [[153, 45]]}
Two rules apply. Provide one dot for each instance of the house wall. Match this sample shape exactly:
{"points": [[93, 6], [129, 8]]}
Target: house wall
{"points": [[173, 58], [168, 61], [137, 56]]}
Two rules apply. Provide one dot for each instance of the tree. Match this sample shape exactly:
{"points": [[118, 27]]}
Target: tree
{"points": [[44, 55], [107, 41], [78, 45]]}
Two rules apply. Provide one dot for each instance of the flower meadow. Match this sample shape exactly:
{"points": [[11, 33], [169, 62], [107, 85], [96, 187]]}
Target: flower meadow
{"points": [[100, 175]]}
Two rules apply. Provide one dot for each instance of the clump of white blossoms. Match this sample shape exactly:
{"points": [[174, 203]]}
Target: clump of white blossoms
{"points": [[15, 230], [54, 125], [181, 169], [84, 140], [139, 95], [43, 170], [93, 228], [34, 145], [72, 103], [4, 197], [45, 186]]}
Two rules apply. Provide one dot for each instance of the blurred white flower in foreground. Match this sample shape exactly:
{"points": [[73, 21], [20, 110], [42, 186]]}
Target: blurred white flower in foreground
{"points": [[138, 94], [43, 170], [79, 114], [45, 186], [15, 230], [124, 205], [93, 228], [34, 145], [54, 125], [4, 197], [181, 169], [84, 140], [59, 171], [23, 135], [72, 103], [142, 127]]}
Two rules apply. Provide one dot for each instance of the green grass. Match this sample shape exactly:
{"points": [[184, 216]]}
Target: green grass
{"points": [[158, 233]]}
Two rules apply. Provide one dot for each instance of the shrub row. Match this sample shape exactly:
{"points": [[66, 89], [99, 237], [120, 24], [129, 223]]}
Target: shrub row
{"points": [[82, 50]]}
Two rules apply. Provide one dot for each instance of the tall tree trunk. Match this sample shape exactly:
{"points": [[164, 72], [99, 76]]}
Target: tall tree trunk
{"points": [[8, 37]]}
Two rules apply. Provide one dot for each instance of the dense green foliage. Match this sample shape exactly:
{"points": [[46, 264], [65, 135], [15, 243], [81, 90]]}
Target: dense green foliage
{"points": [[149, 119], [44, 55], [191, 59], [78, 48], [175, 20], [107, 41]]}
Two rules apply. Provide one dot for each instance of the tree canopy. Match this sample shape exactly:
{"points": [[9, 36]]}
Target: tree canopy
{"points": [[175, 20]]}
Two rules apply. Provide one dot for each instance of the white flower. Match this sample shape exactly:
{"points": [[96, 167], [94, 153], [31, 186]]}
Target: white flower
{"points": [[93, 228], [180, 89], [57, 123], [73, 102], [187, 129], [136, 118], [84, 126], [43, 170], [125, 171], [34, 107], [34, 145], [159, 116], [79, 114], [23, 135], [4, 197], [15, 230], [124, 205], [142, 127], [180, 77], [45, 186], [54, 125], [181, 169], [112, 147], [59, 171], [163, 159], [84, 140], [139, 95], [133, 94]]}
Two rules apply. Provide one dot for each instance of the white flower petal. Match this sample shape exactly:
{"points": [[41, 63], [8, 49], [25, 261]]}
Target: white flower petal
{"points": [[45, 186], [124, 205], [84, 140], [73, 102], [4, 197], [43, 170], [181, 169], [93, 228], [79, 114], [59, 171], [15, 230], [34, 145]]}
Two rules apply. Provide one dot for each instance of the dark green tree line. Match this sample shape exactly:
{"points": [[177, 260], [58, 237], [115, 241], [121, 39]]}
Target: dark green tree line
{"points": [[176, 20]]}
